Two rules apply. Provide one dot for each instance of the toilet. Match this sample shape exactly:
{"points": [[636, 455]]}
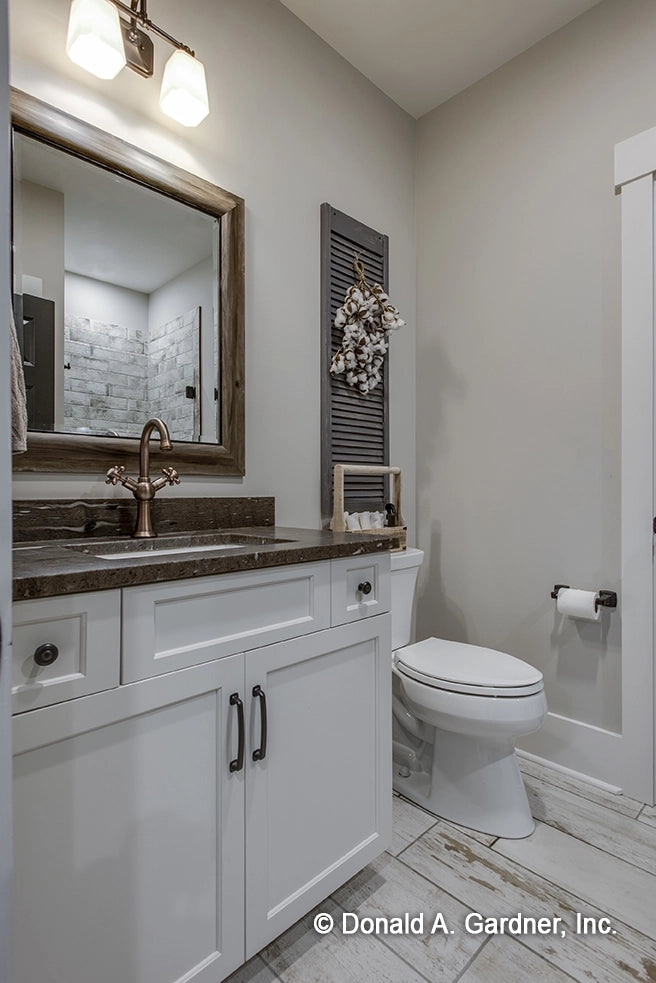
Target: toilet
{"points": [[457, 711]]}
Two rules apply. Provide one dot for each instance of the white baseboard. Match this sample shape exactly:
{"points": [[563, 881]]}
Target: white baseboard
{"points": [[613, 789]]}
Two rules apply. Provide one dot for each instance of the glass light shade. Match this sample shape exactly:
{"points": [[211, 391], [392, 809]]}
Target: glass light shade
{"points": [[184, 89], [94, 39]]}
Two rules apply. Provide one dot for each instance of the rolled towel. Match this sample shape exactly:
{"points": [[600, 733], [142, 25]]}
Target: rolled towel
{"points": [[18, 402]]}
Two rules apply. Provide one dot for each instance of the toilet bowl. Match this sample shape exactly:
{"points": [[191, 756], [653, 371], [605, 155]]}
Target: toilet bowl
{"points": [[458, 710]]}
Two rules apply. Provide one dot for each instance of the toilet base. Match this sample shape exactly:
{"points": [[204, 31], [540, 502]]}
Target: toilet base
{"points": [[473, 782]]}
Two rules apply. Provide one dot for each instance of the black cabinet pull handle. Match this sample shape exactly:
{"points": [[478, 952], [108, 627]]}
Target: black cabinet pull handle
{"points": [[238, 763], [259, 753], [365, 587], [46, 654]]}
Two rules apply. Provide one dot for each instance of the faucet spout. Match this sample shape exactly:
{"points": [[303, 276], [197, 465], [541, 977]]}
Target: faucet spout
{"points": [[144, 453]]}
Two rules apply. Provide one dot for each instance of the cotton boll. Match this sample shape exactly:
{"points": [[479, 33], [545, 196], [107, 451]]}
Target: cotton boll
{"points": [[338, 363]]}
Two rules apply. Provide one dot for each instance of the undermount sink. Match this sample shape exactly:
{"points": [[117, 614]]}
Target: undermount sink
{"points": [[173, 545]]}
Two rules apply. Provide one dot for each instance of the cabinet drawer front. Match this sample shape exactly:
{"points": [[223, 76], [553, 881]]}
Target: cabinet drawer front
{"points": [[360, 587], [85, 632], [168, 627]]}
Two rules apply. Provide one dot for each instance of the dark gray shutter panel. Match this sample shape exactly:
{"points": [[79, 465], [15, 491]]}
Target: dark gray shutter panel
{"points": [[354, 427]]}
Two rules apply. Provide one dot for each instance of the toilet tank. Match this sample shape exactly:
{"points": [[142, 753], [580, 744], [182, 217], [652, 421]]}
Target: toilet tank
{"points": [[405, 567]]}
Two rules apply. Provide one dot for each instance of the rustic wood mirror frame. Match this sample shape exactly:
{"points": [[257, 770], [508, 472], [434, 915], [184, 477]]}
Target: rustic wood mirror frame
{"points": [[74, 452]]}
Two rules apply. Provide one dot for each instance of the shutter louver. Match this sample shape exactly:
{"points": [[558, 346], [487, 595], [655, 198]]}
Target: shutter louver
{"points": [[354, 427]]}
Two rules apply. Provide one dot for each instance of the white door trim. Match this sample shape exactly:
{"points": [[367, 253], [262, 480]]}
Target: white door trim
{"points": [[635, 161]]}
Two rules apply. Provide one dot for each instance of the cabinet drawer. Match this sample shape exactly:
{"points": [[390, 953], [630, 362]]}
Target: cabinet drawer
{"points": [[175, 625], [84, 630], [360, 587]]}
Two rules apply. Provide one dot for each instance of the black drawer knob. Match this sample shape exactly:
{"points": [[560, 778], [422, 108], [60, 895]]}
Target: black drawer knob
{"points": [[46, 654], [364, 587]]}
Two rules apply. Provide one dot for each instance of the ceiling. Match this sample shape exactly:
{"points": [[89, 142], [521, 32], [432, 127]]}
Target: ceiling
{"points": [[422, 52], [114, 229]]}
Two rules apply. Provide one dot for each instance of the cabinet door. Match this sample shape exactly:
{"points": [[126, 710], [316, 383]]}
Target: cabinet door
{"points": [[318, 806], [129, 833]]}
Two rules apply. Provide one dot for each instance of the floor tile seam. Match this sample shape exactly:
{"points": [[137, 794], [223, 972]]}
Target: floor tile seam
{"points": [[593, 846], [584, 901], [415, 969], [571, 900], [582, 795], [554, 965], [435, 884], [446, 826], [472, 959], [415, 805], [402, 958], [381, 941], [601, 805], [438, 820], [260, 955], [418, 837]]}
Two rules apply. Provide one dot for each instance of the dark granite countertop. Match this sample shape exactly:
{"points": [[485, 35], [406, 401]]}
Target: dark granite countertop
{"points": [[47, 568]]}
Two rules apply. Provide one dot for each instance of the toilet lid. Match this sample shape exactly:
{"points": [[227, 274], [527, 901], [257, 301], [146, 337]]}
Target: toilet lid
{"points": [[463, 668]]}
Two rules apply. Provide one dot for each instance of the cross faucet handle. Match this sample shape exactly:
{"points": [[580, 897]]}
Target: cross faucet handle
{"points": [[117, 475], [114, 475], [171, 477]]}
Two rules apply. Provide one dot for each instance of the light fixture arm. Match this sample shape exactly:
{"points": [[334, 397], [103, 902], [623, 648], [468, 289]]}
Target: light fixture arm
{"points": [[138, 13]]}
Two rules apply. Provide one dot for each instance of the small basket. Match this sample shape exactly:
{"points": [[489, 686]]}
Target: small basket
{"points": [[337, 523]]}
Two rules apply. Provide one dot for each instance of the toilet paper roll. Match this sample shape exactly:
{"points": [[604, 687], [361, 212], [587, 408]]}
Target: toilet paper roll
{"points": [[578, 604]]}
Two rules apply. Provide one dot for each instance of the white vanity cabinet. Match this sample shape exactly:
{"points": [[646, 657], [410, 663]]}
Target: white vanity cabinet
{"points": [[156, 839]]}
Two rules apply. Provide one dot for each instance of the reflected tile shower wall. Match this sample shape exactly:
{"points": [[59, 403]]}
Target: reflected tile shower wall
{"points": [[104, 391], [116, 377], [173, 361]]}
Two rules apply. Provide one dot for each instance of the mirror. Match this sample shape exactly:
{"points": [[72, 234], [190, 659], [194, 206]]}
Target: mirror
{"points": [[129, 297]]}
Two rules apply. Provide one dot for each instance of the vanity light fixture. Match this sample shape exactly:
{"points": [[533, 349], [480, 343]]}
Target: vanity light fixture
{"points": [[102, 42]]}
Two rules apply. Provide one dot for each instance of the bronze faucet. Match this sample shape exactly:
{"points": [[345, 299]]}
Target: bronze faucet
{"points": [[144, 490]]}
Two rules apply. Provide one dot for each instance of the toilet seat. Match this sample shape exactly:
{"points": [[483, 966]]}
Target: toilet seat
{"points": [[458, 667]]}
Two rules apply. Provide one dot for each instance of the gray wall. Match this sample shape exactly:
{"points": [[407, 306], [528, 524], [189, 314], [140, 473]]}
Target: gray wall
{"points": [[292, 125], [518, 357]]}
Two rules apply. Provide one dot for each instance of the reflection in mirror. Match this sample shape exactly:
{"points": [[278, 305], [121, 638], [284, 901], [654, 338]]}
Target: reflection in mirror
{"points": [[116, 301], [220, 373]]}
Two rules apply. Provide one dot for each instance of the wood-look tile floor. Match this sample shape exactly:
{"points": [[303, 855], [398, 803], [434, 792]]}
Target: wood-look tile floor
{"points": [[592, 855]]}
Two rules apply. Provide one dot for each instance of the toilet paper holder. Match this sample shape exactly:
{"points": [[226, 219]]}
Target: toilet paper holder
{"points": [[604, 598]]}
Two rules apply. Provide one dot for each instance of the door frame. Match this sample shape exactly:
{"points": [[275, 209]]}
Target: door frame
{"points": [[635, 173]]}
